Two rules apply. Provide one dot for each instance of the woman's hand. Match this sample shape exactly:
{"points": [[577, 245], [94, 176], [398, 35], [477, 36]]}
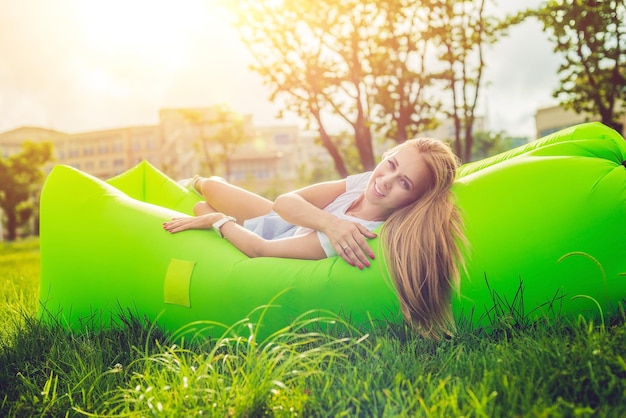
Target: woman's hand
{"points": [[192, 222], [349, 240]]}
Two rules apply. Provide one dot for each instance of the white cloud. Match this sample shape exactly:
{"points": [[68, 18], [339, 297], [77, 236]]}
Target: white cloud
{"points": [[522, 74]]}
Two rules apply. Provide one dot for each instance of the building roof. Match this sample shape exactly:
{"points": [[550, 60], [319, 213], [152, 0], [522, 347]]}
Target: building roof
{"points": [[29, 133], [32, 129]]}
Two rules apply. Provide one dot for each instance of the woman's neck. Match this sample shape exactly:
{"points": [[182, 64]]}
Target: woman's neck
{"points": [[361, 209]]}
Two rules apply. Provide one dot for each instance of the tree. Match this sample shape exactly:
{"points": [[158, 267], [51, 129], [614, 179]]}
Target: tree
{"points": [[590, 35], [366, 63], [317, 170], [405, 100], [360, 62], [487, 144], [219, 136], [462, 29], [20, 176]]}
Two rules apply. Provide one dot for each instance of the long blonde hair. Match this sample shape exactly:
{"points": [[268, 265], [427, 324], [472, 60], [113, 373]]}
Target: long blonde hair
{"points": [[422, 243]]}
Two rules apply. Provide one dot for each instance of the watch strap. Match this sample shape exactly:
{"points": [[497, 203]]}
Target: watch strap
{"points": [[217, 226]]}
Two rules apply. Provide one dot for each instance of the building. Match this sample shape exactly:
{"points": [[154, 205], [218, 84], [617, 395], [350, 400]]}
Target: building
{"points": [[445, 131], [11, 141], [554, 118], [267, 162], [103, 154], [268, 158], [108, 153]]}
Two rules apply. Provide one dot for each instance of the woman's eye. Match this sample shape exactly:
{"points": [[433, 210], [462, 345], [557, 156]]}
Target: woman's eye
{"points": [[391, 164], [404, 184]]}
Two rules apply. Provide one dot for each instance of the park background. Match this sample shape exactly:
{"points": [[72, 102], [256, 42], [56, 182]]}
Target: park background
{"points": [[111, 85], [81, 68]]}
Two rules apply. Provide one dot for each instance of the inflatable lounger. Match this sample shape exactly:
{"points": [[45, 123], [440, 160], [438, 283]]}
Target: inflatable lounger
{"points": [[545, 222]]}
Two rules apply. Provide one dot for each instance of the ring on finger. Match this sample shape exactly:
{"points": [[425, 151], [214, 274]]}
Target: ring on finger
{"points": [[345, 247]]}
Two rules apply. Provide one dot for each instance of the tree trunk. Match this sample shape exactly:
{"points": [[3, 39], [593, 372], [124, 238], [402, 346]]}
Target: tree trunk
{"points": [[457, 135], [469, 139], [11, 225], [403, 122], [330, 146], [363, 140], [208, 160]]}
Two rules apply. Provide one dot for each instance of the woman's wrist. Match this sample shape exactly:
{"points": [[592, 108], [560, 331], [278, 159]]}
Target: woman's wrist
{"points": [[220, 222], [326, 222]]}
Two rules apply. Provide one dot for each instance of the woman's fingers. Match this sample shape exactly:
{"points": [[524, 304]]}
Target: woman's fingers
{"points": [[352, 246], [205, 221], [356, 253], [183, 224], [352, 257], [177, 225]]}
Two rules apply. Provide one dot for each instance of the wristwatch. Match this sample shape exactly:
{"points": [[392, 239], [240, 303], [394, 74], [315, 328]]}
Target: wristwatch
{"points": [[217, 226]]}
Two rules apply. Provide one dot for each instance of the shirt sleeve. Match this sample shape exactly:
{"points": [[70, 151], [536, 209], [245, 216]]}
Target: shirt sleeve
{"points": [[357, 182], [326, 245]]}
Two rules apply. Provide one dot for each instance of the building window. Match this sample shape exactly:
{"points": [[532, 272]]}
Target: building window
{"points": [[262, 174], [546, 132], [118, 146], [282, 139], [88, 150], [118, 162]]}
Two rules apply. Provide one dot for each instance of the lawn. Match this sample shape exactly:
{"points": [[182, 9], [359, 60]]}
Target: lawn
{"points": [[565, 367]]}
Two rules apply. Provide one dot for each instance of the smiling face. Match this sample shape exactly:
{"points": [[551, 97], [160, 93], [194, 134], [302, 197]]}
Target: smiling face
{"points": [[399, 180]]}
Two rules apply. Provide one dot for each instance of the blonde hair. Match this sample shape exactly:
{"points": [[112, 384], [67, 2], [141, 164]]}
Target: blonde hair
{"points": [[422, 243]]}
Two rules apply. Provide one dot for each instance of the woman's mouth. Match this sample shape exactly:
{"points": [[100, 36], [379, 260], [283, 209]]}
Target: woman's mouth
{"points": [[377, 191]]}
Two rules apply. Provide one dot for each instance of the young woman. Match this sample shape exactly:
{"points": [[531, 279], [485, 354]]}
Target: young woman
{"points": [[408, 193]]}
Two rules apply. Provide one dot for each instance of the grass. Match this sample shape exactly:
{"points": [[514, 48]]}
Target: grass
{"points": [[567, 367], [19, 284]]}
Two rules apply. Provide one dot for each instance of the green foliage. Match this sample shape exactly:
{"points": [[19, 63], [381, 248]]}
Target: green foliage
{"points": [[19, 282], [565, 367], [218, 136], [235, 375], [461, 29], [20, 177], [316, 170], [590, 36], [487, 144], [369, 64]]}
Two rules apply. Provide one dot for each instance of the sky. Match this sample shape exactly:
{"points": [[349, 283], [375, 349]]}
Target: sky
{"points": [[84, 65]]}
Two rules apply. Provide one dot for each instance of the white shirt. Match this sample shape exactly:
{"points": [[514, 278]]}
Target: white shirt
{"points": [[272, 226], [355, 185]]}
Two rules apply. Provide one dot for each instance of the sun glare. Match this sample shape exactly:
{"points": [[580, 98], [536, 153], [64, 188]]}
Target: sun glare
{"points": [[155, 32]]}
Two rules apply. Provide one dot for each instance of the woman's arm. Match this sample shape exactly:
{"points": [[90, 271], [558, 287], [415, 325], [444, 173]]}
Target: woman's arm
{"points": [[305, 247], [304, 207]]}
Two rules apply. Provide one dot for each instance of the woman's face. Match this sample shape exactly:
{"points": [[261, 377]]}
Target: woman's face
{"points": [[399, 180]]}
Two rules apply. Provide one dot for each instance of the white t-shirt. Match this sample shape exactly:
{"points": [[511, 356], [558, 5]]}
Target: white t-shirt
{"points": [[272, 226], [355, 185]]}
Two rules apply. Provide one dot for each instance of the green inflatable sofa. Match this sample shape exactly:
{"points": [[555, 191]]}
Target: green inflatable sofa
{"points": [[545, 222]]}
